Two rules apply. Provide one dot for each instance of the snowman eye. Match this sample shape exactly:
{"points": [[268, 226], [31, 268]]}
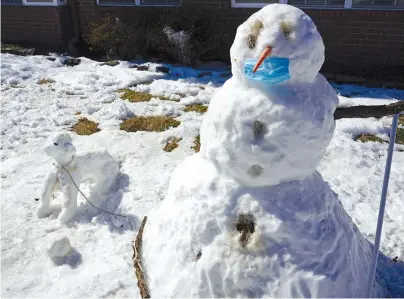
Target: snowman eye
{"points": [[55, 143], [287, 28], [251, 41]]}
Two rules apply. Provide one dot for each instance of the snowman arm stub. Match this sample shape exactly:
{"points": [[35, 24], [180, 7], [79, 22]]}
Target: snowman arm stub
{"points": [[369, 111]]}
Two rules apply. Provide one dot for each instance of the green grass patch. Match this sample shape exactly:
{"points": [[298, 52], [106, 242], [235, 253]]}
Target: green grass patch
{"points": [[369, 138], [111, 62], [199, 108], [374, 138], [134, 96], [182, 95], [85, 126], [10, 47], [149, 124], [172, 144], [401, 120], [400, 136], [45, 81], [197, 144]]}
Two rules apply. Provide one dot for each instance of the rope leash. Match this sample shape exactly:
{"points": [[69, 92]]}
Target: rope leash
{"points": [[143, 289], [85, 197]]}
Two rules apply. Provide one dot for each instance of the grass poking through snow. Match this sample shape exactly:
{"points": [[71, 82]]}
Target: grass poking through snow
{"points": [[197, 144], [374, 138], [199, 108], [369, 138], [137, 96], [111, 62], [85, 127], [172, 144], [400, 136], [10, 47], [401, 120], [45, 81], [149, 124]]}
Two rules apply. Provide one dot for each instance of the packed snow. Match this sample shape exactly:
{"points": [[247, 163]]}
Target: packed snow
{"points": [[99, 259]]}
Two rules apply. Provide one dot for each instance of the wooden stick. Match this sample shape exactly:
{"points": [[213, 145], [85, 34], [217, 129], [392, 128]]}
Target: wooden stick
{"points": [[144, 292], [369, 111]]}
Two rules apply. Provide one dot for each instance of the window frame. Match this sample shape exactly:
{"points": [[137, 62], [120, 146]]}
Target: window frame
{"points": [[12, 4], [137, 3], [348, 5], [42, 3], [54, 3]]}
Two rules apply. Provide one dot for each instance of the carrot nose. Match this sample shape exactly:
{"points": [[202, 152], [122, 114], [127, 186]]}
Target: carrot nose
{"points": [[264, 54]]}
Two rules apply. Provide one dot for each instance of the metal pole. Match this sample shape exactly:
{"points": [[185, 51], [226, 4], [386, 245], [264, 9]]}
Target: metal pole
{"points": [[372, 272]]}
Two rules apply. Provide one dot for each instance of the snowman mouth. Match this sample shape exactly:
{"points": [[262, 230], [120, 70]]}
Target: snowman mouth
{"points": [[267, 51]]}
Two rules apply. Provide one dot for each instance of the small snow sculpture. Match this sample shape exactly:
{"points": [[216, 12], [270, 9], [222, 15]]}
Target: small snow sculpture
{"points": [[98, 166], [59, 248], [251, 200]]}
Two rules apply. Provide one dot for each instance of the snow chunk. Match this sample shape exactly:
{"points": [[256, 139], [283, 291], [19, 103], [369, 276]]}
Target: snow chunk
{"points": [[116, 110], [59, 248]]}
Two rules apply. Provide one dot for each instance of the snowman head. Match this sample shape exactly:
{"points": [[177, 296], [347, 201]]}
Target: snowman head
{"points": [[60, 148], [283, 38]]}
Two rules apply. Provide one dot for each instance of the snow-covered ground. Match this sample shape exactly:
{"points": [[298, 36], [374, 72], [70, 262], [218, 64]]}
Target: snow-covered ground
{"points": [[101, 265]]}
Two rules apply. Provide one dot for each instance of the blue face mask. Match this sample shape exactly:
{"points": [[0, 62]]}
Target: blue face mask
{"points": [[273, 70]]}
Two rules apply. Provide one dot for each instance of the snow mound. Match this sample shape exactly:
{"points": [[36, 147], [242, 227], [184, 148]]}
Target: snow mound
{"points": [[289, 240], [117, 110], [59, 248]]}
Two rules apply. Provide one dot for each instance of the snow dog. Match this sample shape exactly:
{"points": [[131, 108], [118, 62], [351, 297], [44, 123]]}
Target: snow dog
{"points": [[69, 170]]}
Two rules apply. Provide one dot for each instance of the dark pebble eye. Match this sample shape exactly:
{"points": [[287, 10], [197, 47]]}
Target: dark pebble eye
{"points": [[252, 39], [287, 28], [55, 143]]}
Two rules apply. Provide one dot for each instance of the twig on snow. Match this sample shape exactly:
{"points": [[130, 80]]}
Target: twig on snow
{"points": [[144, 292], [369, 111]]}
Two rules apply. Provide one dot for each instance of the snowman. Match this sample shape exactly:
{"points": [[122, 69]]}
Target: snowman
{"points": [[249, 215]]}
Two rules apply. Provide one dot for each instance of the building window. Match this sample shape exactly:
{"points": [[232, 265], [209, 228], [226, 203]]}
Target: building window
{"points": [[116, 2], [139, 2], [324, 4], [317, 3], [377, 3], [42, 2], [161, 2], [11, 2], [252, 3], [34, 2]]}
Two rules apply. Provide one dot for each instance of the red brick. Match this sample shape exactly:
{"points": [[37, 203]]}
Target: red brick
{"points": [[349, 41], [390, 31]]}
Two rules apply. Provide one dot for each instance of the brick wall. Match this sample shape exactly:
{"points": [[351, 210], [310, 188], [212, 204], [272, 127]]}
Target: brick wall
{"points": [[358, 42], [366, 43], [43, 27]]}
